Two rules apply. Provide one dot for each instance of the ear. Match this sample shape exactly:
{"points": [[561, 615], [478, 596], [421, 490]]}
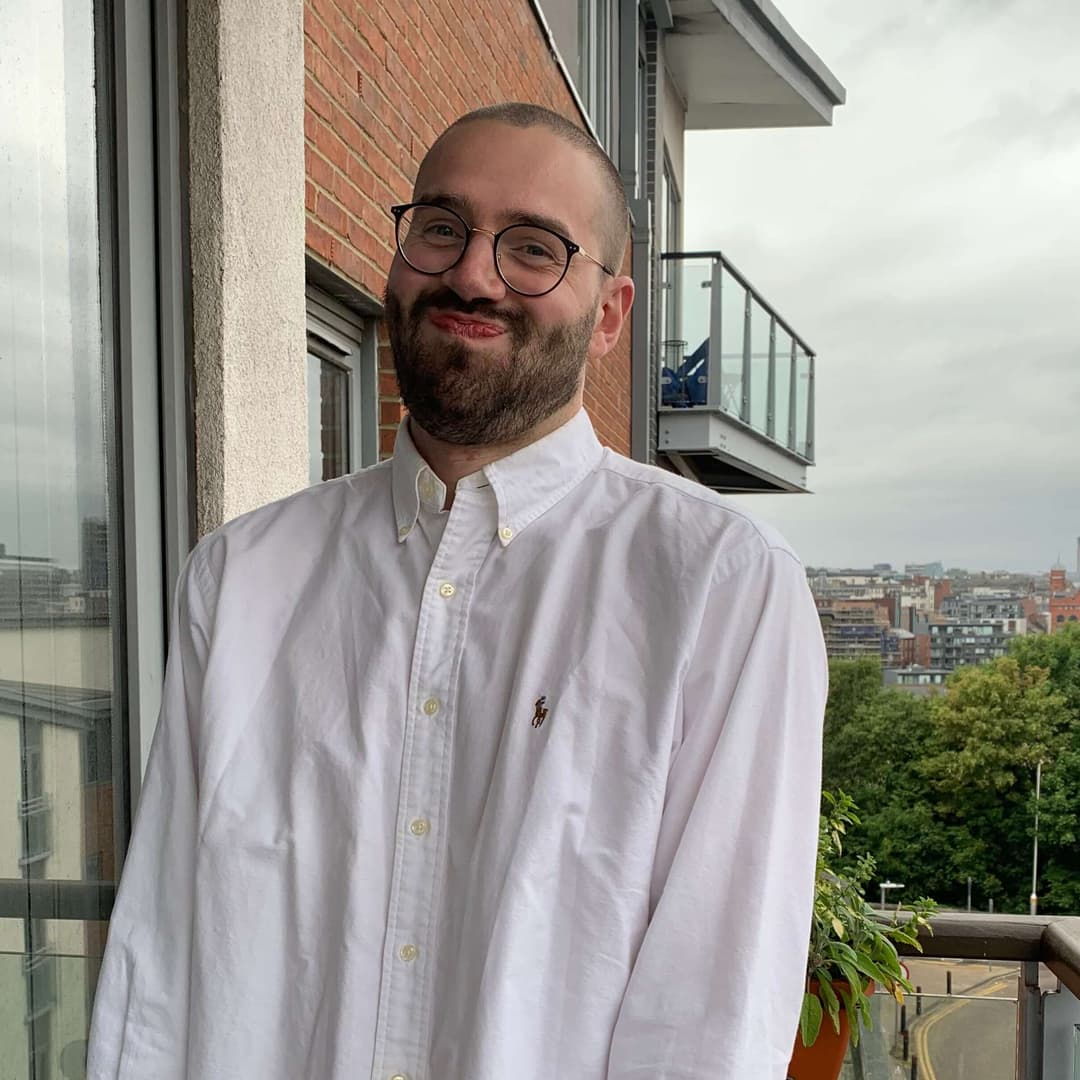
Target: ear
{"points": [[615, 301]]}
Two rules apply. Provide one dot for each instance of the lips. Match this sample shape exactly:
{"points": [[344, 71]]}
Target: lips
{"points": [[465, 326]]}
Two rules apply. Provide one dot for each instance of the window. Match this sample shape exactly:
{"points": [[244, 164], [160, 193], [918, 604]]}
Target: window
{"points": [[642, 134], [79, 364], [341, 388], [586, 33], [668, 234]]}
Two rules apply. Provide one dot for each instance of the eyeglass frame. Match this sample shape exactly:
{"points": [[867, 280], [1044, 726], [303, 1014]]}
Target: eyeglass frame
{"points": [[572, 249]]}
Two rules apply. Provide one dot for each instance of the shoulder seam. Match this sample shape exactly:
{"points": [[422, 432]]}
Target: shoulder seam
{"points": [[732, 510]]}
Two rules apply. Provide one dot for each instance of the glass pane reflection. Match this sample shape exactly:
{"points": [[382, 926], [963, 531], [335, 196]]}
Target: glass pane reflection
{"points": [[61, 748]]}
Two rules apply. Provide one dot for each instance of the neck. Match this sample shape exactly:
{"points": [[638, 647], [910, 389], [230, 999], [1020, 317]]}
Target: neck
{"points": [[451, 462]]}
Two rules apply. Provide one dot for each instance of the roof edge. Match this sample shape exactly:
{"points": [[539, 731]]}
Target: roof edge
{"points": [[783, 34]]}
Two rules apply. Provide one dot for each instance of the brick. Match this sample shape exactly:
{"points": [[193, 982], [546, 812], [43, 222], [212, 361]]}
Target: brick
{"points": [[390, 412], [318, 239], [316, 98], [319, 170], [330, 214]]}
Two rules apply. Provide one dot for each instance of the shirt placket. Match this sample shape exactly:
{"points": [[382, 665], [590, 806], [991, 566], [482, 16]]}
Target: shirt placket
{"points": [[420, 843]]}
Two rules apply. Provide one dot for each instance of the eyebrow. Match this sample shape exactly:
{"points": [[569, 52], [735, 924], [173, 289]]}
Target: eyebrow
{"points": [[511, 215]]}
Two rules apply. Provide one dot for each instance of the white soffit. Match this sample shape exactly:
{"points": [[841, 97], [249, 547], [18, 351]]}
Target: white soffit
{"points": [[739, 64]]}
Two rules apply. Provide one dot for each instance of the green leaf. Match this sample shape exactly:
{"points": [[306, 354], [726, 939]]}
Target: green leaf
{"points": [[868, 967], [831, 1003], [810, 1019]]}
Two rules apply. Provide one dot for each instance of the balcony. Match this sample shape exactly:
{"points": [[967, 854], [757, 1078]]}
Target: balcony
{"points": [[736, 383], [998, 998], [35, 817]]}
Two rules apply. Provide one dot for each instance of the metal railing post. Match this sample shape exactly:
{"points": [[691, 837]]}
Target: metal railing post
{"points": [[1029, 1023], [793, 398], [810, 413], [770, 410], [714, 392], [746, 358]]}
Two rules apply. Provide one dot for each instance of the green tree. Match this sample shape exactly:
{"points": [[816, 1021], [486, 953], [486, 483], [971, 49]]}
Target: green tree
{"points": [[992, 726], [1059, 654], [1059, 808], [876, 739]]}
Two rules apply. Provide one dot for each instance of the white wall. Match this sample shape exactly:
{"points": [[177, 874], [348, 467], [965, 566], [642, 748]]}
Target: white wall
{"points": [[246, 109]]}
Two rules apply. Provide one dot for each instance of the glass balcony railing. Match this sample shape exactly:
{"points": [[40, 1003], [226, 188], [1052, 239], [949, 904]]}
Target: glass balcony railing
{"points": [[724, 349]]}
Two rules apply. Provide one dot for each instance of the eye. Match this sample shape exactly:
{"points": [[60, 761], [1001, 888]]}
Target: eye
{"points": [[433, 226], [537, 247], [440, 228]]}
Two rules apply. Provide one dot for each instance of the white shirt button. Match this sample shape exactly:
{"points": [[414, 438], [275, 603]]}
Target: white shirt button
{"points": [[408, 953], [427, 488], [399, 1076], [506, 533], [431, 706], [403, 530], [447, 590], [420, 827]]}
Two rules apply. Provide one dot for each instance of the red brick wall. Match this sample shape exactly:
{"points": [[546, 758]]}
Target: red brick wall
{"points": [[382, 79]]}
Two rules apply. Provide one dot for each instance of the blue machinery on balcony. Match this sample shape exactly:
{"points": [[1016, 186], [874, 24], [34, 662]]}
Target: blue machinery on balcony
{"points": [[736, 383]]}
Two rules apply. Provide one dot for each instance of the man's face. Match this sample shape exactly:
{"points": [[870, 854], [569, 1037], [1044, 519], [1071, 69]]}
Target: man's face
{"points": [[477, 363]]}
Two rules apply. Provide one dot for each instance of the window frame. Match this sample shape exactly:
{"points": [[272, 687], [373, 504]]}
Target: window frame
{"points": [[144, 336], [339, 335]]}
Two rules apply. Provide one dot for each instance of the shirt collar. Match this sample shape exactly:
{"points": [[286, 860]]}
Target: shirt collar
{"points": [[525, 483]]}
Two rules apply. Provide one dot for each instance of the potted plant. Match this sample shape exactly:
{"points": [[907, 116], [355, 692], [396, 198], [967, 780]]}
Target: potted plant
{"points": [[852, 948]]}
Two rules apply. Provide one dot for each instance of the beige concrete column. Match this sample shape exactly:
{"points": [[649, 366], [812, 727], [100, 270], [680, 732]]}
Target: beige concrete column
{"points": [[246, 158]]}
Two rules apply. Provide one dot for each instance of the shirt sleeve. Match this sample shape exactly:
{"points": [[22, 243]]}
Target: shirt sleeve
{"points": [[716, 986], [140, 1020]]}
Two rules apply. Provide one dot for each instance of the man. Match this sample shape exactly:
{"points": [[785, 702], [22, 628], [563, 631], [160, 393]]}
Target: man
{"points": [[499, 759]]}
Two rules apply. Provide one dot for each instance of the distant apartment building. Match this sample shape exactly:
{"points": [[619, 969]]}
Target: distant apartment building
{"points": [[915, 679], [854, 629], [973, 607], [1063, 601], [959, 644], [934, 570]]}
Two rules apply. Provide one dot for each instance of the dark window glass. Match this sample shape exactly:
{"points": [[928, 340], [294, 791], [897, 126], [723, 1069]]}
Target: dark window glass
{"points": [[334, 415]]}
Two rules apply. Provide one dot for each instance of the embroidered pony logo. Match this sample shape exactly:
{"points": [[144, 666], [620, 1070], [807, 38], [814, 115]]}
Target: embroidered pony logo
{"points": [[541, 713]]}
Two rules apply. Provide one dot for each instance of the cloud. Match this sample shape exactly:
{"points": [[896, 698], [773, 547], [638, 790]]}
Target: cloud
{"points": [[928, 246]]}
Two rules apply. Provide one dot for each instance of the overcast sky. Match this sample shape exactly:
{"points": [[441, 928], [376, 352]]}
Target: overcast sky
{"points": [[928, 247]]}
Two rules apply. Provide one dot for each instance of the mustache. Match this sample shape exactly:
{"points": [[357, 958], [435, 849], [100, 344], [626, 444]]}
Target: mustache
{"points": [[447, 300]]}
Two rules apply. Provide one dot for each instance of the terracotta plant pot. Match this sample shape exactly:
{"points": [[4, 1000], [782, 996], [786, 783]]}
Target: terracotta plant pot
{"points": [[825, 1059]]}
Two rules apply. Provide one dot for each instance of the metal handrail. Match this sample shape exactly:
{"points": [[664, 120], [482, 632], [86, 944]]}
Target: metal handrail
{"points": [[1030, 940], [673, 256], [1053, 940]]}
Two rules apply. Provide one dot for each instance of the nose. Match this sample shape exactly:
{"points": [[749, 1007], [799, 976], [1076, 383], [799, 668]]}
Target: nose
{"points": [[475, 276]]}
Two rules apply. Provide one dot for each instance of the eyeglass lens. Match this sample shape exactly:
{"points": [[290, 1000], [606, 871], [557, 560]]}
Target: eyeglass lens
{"points": [[531, 260]]}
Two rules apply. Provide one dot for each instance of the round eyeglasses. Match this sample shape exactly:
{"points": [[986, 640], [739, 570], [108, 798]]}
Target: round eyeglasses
{"points": [[530, 259]]}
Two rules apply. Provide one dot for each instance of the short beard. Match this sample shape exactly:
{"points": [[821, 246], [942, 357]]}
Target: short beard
{"points": [[461, 398]]}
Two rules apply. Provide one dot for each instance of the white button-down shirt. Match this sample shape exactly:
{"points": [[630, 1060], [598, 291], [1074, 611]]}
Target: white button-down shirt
{"points": [[526, 789]]}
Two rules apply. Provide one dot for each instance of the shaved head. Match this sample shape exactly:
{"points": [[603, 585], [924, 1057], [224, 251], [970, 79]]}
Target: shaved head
{"points": [[614, 221]]}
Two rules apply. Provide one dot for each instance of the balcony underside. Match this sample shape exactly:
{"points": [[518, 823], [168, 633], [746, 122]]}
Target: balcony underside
{"points": [[739, 64], [721, 453]]}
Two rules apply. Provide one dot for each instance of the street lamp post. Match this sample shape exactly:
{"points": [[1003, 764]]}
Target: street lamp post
{"points": [[1034, 899], [883, 885]]}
